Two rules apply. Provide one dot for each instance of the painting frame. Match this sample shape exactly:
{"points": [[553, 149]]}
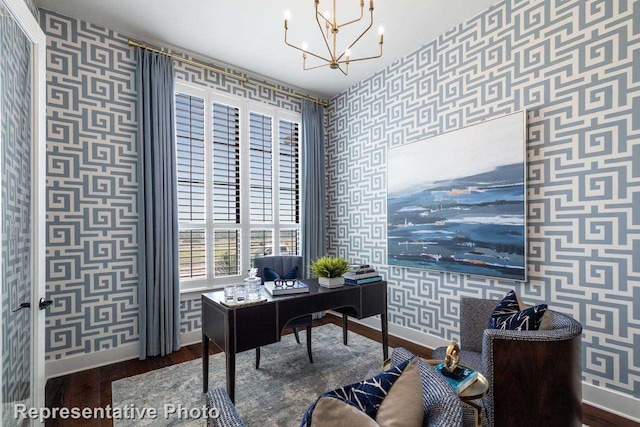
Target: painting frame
{"points": [[457, 201]]}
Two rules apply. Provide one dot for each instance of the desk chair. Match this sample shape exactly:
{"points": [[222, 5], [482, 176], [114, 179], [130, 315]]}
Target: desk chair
{"points": [[283, 264]]}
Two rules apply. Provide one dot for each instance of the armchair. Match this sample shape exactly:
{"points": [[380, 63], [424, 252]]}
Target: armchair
{"points": [[218, 399], [534, 376], [282, 264]]}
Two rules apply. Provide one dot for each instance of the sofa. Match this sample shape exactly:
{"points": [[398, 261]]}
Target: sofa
{"points": [[442, 407], [534, 376]]}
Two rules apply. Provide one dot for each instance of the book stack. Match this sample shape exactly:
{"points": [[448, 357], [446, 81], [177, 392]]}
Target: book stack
{"points": [[460, 379], [360, 274]]}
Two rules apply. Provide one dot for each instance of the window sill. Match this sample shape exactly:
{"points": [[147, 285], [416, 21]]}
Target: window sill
{"points": [[201, 289]]}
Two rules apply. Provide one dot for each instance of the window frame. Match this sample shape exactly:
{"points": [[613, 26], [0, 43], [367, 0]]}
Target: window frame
{"points": [[245, 227]]}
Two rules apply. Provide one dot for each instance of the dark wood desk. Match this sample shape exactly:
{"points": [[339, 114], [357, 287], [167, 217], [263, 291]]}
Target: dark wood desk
{"points": [[241, 328]]}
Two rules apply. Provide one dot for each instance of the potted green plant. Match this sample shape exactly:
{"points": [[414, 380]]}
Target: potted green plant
{"points": [[329, 271]]}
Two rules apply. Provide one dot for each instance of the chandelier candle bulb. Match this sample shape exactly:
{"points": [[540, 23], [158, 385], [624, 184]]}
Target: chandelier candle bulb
{"points": [[287, 16]]}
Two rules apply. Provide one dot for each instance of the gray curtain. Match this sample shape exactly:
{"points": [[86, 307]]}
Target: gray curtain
{"points": [[158, 269], [314, 203]]}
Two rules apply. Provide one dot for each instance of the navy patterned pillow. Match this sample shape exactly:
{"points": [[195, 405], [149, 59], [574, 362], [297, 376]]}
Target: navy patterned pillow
{"points": [[366, 396], [508, 316], [269, 274]]}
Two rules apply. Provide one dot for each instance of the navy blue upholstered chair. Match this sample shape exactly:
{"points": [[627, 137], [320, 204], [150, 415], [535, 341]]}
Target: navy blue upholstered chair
{"points": [[534, 376], [282, 264]]}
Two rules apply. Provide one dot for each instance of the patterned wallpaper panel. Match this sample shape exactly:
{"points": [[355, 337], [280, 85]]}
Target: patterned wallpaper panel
{"points": [[91, 188], [91, 185], [575, 66], [15, 155]]}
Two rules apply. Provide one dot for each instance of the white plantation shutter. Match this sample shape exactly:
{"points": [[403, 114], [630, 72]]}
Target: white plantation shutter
{"points": [[260, 168], [226, 163], [192, 253], [261, 243], [290, 242], [191, 184], [289, 179], [190, 157], [238, 178], [226, 249]]}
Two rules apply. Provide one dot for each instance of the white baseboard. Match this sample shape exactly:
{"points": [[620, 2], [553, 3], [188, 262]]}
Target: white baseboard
{"points": [[611, 401], [416, 337], [192, 337], [81, 362]]}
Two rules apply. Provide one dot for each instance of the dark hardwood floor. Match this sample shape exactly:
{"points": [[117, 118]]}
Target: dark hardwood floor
{"points": [[92, 388]]}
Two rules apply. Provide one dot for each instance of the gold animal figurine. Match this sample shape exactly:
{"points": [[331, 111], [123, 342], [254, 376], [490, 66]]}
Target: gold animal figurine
{"points": [[452, 358]]}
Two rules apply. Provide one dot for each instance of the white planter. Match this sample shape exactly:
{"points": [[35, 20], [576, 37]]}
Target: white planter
{"points": [[331, 282]]}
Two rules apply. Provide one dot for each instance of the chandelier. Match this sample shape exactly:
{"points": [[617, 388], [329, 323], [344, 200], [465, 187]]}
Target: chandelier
{"points": [[329, 27]]}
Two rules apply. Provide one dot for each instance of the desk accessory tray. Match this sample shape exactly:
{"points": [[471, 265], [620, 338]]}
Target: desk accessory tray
{"points": [[243, 303]]}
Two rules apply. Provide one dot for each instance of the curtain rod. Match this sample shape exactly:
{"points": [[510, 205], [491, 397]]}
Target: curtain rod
{"points": [[242, 79]]}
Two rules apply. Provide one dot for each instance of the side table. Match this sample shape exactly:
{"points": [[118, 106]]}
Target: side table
{"points": [[477, 390]]}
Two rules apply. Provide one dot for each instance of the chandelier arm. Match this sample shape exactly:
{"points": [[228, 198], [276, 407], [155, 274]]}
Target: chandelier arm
{"points": [[324, 18], [359, 37], [344, 72], [355, 20], [331, 54], [362, 59], [314, 67], [302, 50]]}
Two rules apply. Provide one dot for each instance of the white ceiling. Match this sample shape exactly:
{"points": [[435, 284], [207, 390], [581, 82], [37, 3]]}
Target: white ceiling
{"points": [[250, 33]]}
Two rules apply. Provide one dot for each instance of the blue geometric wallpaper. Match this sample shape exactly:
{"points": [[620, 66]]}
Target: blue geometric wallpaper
{"points": [[574, 65], [91, 185], [92, 217]]}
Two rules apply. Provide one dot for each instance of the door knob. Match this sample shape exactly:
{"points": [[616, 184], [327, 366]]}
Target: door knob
{"points": [[44, 303]]}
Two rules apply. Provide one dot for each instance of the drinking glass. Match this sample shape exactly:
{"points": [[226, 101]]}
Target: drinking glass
{"points": [[253, 288], [229, 294], [241, 293]]}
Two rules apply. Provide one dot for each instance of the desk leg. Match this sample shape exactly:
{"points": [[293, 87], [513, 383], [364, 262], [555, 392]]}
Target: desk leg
{"points": [[205, 363], [231, 374], [345, 329], [385, 335]]}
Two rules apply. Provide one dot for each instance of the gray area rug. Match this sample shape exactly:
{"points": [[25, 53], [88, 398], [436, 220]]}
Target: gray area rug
{"points": [[277, 394]]}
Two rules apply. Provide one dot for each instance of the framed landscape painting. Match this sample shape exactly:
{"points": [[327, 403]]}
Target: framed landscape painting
{"points": [[456, 202]]}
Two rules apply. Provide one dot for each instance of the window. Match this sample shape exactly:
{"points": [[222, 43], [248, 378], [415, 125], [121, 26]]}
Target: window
{"points": [[238, 173]]}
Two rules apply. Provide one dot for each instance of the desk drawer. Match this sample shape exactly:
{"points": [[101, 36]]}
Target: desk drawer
{"points": [[348, 297], [374, 299], [255, 326]]}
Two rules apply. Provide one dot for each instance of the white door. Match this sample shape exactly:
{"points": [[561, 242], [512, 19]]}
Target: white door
{"points": [[22, 210]]}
